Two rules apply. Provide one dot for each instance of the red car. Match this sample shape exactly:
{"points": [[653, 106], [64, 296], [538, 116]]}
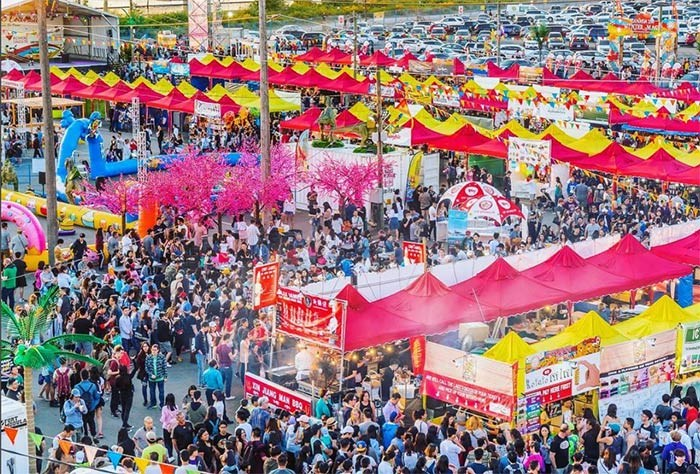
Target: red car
{"points": [[690, 39]]}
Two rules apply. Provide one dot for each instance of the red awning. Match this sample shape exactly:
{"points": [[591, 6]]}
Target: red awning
{"points": [[493, 147], [430, 302], [685, 250], [67, 86], [630, 259], [508, 291], [369, 325], [305, 121], [568, 271]]}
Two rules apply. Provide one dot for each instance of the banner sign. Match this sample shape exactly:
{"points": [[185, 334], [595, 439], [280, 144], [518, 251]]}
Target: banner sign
{"points": [[446, 97], [179, 69], [312, 318], [457, 377], [531, 152], [280, 397], [549, 110], [562, 373], [417, 347], [413, 252], [457, 223], [386, 91], [690, 351], [265, 285], [207, 109], [639, 364]]}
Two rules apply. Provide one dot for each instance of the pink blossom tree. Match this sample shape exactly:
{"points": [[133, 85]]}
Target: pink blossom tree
{"points": [[348, 181], [245, 190], [118, 196], [188, 184]]}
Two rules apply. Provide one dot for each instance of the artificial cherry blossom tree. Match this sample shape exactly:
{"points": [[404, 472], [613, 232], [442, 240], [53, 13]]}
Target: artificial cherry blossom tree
{"points": [[118, 196], [349, 181]]}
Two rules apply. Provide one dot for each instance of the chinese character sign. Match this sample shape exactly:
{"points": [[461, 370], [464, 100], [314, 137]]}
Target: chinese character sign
{"points": [[312, 318], [265, 284], [413, 252]]}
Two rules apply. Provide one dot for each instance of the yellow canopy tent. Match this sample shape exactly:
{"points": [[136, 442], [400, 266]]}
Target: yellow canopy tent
{"points": [[58, 72], [251, 64], [326, 71], [217, 92], [690, 111], [275, 66], [207, 58], [406, 78], [112, 79], [187, 89], [694, 310], [517, 129], [433, 81], [360, 110], [163, 86], [90, 77], [511, 349], [300, 68], [349, 71], [663, 315], [589, 325], [278, 103]]}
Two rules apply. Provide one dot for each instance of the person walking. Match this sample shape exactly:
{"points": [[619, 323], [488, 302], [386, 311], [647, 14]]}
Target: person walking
{"points": [[223, 354], [157, 371], [201, 349], [124, 389], [212, 381]]}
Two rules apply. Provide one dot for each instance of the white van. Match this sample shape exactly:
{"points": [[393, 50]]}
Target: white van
{"points": [[516, 10]]}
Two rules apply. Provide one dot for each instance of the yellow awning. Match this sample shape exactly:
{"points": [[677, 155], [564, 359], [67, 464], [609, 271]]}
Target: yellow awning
{"points": [[663, 315], [589, 325]]}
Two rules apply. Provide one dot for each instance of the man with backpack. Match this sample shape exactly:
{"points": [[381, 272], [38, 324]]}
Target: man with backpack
{"points": [[91, 396], [513, 466]]}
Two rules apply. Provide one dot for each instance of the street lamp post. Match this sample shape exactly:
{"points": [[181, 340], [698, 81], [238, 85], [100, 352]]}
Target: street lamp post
{"points": [[49, 152], [264, 95]]}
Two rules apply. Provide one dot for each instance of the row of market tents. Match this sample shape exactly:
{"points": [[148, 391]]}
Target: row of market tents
{"points": [[501, 291]]}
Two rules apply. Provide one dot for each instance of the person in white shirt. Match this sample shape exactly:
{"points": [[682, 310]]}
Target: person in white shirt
{"points": [[432, 222], [420, 423], [289, 208], [451, 447], [387, 464], [253, 237]]}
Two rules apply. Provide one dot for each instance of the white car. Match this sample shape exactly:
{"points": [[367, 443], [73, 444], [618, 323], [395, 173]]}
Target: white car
{"points": [[413, 45], [453, 21], [512, 51]]}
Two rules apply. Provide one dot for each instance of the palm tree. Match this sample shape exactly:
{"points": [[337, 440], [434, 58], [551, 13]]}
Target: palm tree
{"points": [[22, 333], [539, 33]]}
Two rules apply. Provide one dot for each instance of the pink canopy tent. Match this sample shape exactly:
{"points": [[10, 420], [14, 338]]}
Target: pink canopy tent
{"points": [[430, 302], [368, 325], [14, 75], [630, 259], [507, 291], [685, 250], [568, 271]]}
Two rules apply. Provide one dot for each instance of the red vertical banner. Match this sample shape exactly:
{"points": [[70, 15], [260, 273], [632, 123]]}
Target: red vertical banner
{"points": [[417, 347], [265, 284], [413, 252]]}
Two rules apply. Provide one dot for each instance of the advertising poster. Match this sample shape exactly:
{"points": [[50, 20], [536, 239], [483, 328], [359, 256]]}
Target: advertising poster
{"points": [[265, 285], [311, 318], [565, 372], [413, 252], [460, 378], [280, 397], [690, 351], [457, 223], [630, 405], [531, 152], [637, 365], [209, 110]]}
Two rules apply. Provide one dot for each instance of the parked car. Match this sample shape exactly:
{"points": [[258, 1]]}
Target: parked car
{"points": [[578, 42], [511, 30]]}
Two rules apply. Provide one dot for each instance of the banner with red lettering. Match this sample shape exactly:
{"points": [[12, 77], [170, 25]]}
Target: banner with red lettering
{"points": [[265, 284], [413, 252], [280, 397], [417, 347], [478, 383], [312, 318]]}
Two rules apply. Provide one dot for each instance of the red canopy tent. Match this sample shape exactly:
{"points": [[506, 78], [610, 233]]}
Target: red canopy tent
{"points": [[377, 59], [312, 78], [335, 56], [225, 102], [67, 86], [458, 67], [404, 61], [368, 325], [661, 165], [91, 91], [430, 302], [175, 101], [568, 271], [14, 75], [660, 122], [510, 74], [462, 140], [120, 92], [305, 121], [630, 259], [502, 287], [685, 250], [421, 134], [311, 56], [285, 76], [563, 153], [610, 160], [494, 147], [349, 85], [199, 69], [346, 119], [146, 94]]}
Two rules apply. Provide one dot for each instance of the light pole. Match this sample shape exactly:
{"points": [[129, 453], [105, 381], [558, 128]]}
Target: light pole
{"points": [[49, 152], [264, 96]]}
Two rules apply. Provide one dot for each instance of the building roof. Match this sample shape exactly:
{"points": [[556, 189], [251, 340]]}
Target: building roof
{"points": [[62, 7]]}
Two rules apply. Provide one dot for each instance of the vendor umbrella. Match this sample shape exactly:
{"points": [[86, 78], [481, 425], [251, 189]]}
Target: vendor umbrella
{"points": [[460, 195], [492, 208]]}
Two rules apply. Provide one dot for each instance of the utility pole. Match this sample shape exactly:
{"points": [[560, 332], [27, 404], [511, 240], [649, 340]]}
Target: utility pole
{"points": [[354, 44], [658, 47], [498, 33], [49, 152], [264, 95], [380, 146]]}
